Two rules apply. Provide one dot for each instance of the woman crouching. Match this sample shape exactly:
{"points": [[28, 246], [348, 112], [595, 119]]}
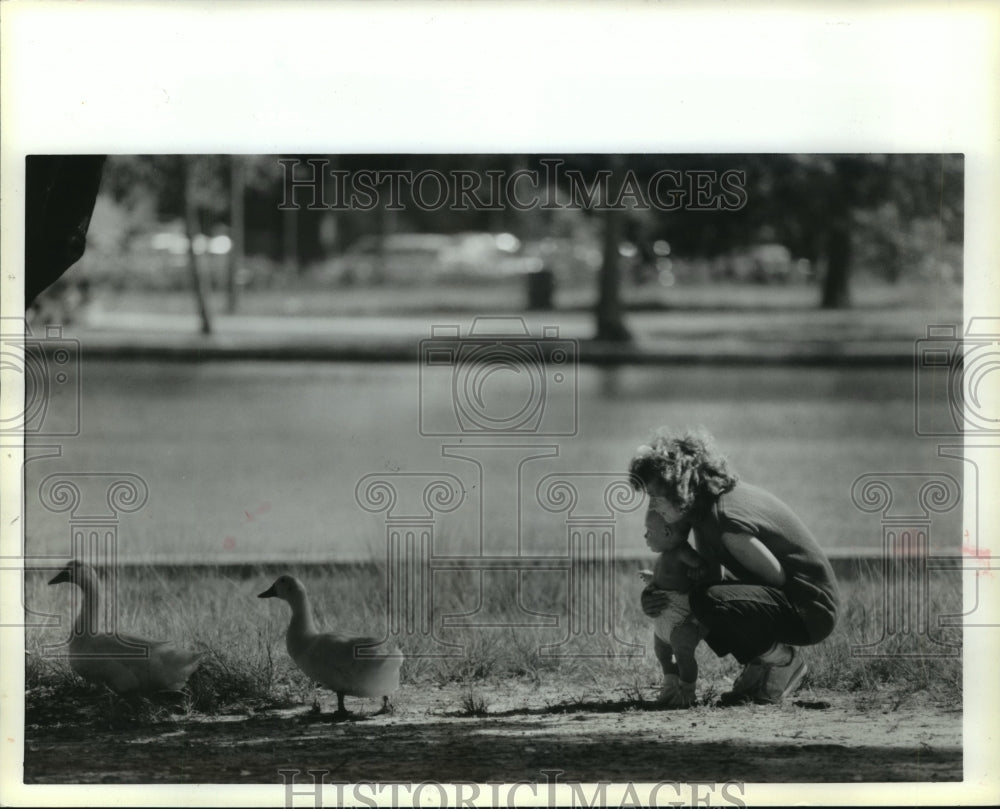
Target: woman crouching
{"points": [[775, 590]]}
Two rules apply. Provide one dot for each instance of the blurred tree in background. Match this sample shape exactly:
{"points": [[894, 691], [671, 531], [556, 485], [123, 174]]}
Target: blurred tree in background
{"points": [[163, 223]]}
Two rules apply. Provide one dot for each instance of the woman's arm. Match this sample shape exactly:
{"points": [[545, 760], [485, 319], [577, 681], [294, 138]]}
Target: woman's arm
{"points": [[755, 558], [701, 567]]}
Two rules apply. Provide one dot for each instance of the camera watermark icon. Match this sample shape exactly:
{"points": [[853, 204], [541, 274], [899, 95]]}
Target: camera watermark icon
{"points": [[50, 367], [500, 380], [906, 501], [94, 502], [957, 380], [503, 385]]}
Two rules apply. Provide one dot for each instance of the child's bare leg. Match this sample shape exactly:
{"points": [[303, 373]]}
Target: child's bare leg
{"points": [[679, 680], [665, 655], [674, 693], [684, 640]]}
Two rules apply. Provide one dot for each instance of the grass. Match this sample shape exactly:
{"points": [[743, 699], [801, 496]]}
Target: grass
{"points": [[246, 668], [908, 663], [304, 297], [474, 704]]}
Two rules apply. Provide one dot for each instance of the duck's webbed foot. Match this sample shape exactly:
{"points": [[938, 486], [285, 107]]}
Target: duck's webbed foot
{"points": [[342, 713], [386, 707]]}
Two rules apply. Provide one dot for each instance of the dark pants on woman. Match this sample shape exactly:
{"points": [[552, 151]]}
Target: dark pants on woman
{"points": [[745, 620]]}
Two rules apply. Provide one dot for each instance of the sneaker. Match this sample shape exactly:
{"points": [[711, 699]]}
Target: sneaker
{"points": [[781, 680], [766, 683], [746, 685], [676, 693]]}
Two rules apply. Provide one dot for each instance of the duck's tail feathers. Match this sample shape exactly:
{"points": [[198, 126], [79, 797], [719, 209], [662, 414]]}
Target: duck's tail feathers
{"points": [[176, 665]]}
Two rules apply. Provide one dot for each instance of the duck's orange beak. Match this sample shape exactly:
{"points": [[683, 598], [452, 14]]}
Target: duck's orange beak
{"points": [[268, 593]]}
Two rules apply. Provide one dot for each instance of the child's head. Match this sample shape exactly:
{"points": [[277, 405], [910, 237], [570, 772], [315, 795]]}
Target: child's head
{"points": [[663, 535], [681, 472]]}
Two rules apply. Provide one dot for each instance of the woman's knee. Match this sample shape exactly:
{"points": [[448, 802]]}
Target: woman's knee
{"points": [[819, 624]]}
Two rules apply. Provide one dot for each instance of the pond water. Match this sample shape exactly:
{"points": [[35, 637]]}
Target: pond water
{"points": [[262, 461]]}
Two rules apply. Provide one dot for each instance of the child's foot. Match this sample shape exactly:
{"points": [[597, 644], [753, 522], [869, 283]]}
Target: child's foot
{"points": [[767, 683], [676, 693]]}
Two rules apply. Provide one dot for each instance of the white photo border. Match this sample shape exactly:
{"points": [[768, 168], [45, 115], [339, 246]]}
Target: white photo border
{"points": [[721, 77]]}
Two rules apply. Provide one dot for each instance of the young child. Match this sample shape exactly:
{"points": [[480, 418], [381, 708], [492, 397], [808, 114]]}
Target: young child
{"points": [[676, 633], [778, 591]]}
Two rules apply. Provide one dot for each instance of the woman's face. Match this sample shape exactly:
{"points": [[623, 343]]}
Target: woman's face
{"points": [[666, 527], [666, 509], [658, 502]]}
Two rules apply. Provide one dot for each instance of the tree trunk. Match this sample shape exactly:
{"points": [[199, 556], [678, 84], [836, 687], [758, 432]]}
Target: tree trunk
{"points": [[610, 315], [610, 318], [836, 282], [191, 227], [290, 242], [842, 202], [237, 189], [385, 224]]}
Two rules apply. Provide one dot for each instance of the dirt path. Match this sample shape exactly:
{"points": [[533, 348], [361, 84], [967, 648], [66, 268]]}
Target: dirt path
{"points": [[527, 730]]}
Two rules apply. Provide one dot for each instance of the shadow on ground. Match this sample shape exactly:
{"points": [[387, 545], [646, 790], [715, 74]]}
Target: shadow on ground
{"points": [[603, 740]]}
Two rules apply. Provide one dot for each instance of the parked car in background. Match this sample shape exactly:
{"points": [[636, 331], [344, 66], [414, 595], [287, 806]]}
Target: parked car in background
{"points": [[476, 255], [424, 258], [572, 261], [159, 259], [405, 257], [762, 264]]}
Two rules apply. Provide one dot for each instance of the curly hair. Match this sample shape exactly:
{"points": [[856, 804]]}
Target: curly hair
{"points": [[688, 463]]}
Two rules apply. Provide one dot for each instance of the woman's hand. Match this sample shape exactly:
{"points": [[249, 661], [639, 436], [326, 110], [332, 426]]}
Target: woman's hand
{"points": [[654, 600]]}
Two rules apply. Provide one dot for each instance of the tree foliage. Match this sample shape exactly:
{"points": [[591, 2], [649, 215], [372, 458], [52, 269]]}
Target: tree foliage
{"points": [[890, 214]]}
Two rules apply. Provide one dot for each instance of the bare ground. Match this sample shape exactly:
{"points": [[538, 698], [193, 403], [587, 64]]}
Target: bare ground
{"points": [[592, 735]]}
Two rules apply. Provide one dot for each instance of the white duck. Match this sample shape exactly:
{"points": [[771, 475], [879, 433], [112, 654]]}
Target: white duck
{"points": [[333, 660], [125, 663]]}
